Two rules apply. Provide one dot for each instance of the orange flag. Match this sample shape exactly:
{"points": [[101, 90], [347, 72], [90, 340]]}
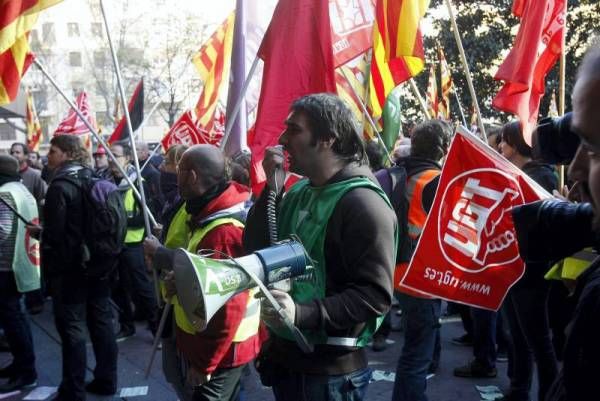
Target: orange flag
{"points": [[34, 130]]}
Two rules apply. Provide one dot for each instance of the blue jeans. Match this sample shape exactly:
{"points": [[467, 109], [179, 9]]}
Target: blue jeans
{"points": [[290, 386], [421, 322]]}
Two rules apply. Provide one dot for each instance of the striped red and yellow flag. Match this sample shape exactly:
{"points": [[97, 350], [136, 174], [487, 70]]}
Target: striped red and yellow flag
{"points": [[446, 87], [397, 47], [432, 94], [34, 129], [17, 18], [212, 62]]}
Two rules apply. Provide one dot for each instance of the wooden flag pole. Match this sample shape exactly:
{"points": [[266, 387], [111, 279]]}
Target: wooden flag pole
{"points": [[98, 138], [463, 58], [368, 116], [136, 161]]}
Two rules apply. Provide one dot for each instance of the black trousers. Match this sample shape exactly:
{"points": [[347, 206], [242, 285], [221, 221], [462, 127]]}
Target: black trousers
{"points": [[77, 302], [527, 313], [135, 286], [16, 327]]}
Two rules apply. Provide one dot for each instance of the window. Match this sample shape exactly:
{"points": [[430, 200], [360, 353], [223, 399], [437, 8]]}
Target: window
{"points": [[78, 87], [7, 132], [73, 29], [75, 59], [34, 38], [97, 29], [48, 33], [99, 59]]}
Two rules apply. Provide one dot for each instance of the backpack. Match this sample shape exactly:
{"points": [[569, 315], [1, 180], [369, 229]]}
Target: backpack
{"points": [[104, 223], [400, 202]]}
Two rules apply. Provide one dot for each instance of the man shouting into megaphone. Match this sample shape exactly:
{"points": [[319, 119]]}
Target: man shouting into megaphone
{"points": [[346, 224]]}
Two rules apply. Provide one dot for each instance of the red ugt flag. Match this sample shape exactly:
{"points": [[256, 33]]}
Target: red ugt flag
{"points": [[184, 132], [537, 47], [468, 250], [298, 60]]}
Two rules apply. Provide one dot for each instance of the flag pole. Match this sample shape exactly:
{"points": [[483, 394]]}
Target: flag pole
{"points": [[236, 109], [369, 118], [417, 94], [93, 132], [561, 95], [463, 59], [460, 109], [136, 161]]}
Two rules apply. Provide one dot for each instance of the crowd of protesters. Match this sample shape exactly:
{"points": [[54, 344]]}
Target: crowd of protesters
{"points": [[346, 216]]}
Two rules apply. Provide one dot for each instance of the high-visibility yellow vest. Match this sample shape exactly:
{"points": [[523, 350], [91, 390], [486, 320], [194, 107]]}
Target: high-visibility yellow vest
{"points": [[134, 235], [249, 325], [570, 268]]}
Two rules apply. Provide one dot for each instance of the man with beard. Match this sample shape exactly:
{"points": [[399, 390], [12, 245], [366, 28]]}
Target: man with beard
{"points": [[345, 222]]}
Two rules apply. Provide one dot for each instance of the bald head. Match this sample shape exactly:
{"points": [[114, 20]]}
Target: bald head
{"points": [[200, 168]]}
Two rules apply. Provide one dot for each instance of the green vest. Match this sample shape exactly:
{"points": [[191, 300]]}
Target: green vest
{"points": [[26, 258], [134, 235], [178, 232], [305, 212]]}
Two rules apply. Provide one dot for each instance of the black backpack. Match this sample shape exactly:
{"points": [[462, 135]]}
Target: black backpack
{"points": [[400, 202], [104, 223]]}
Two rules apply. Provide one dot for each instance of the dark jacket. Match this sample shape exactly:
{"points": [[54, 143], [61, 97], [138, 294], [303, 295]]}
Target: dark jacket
{"points": [[578, 377], [62, 237], [544, 175], [154, 195], [360, 258]]}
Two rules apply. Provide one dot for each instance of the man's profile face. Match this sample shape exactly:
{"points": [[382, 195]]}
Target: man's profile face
{"points": [[100, 160], [122, 160], [297, 141], [585, 167]]}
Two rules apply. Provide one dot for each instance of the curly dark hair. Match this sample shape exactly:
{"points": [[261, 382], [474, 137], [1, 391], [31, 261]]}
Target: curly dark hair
{"points": [[73, 147]]}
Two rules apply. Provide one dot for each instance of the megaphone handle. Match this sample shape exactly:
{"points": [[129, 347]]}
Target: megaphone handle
{"points": [[302, 342], [158, 335]]}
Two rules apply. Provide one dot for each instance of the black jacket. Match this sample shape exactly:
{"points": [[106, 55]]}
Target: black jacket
{"points": [[360, 258], [62, 237]]}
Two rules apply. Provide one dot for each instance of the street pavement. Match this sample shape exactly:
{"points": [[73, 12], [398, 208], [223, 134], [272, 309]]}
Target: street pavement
{"points": [[134, 354]]}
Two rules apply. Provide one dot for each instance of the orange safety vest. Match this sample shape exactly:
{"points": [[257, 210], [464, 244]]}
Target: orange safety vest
{"points": [[416, 220]]}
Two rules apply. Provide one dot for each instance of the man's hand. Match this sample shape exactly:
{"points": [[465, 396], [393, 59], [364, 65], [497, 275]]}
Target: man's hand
{"points": [[169, 282], [273, 166], [195, 378], [270, 315], [151, 244]]}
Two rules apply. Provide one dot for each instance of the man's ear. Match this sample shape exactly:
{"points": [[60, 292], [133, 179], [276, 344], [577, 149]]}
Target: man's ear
{"points": [[194, 176], [328, 144]]}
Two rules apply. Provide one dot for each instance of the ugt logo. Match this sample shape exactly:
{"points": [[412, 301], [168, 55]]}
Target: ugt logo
{"points": [[184, 134], [474, 223]]}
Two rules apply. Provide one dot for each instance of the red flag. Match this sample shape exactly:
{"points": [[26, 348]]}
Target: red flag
{"points": [[351, 28], [298, 60], [524, 69], [468, 251], [185, 132], [34, 129], [72, 124], [136, 113]]}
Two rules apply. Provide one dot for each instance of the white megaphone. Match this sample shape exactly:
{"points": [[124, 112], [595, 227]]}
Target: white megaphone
{"points": [[204, 284]]}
